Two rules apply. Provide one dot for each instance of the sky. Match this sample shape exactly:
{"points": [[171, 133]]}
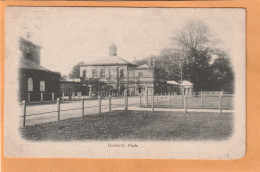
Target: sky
{"points": [[69, 35]]}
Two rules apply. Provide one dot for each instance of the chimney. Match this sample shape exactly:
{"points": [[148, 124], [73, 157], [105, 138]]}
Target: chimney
{"points": [[112, 50], [134, 62], [151, 62]]}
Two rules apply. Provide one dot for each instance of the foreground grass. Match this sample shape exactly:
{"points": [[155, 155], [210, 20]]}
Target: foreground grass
{"points": [[135, 125]]}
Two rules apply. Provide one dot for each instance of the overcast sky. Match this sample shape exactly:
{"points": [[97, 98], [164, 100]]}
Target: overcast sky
{"points": [[69, 35]]}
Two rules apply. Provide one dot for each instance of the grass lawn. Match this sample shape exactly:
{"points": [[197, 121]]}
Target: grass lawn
{"points": [[135, 125]]}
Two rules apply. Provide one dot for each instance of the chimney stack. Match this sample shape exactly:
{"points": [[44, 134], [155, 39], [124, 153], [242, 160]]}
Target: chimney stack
{"points": [[151, 62], [112, 50], [134, 60]]}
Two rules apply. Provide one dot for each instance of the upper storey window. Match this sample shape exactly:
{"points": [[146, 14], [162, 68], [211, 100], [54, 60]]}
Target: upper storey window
{"points": [[94, 73], [103, 73], [84, 73], [121, 73], [111, 73]]}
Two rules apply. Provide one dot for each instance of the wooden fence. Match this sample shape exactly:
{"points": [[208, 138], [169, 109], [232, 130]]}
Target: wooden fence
{"points": [[174, 101], [83, 107]]}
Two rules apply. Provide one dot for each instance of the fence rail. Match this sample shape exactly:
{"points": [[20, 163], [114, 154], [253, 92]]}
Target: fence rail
{"points": [[170, 100], [202, 101], [82, 107]]}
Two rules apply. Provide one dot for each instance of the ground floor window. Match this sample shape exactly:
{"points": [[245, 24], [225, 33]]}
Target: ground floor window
{"points": [[42, 85], [30, 84]]}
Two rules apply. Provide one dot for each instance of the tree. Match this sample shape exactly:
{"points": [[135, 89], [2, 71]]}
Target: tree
{"points": [[193, 44], [64, 77], [195, 35], [75, 72], [223, 73]]}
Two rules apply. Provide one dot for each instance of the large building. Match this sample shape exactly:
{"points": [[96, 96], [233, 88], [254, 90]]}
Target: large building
{"points": [[120, 74], [35, 78]]}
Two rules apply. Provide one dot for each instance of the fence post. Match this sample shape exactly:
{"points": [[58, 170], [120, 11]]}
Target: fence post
{"points": [[58, 108], [157, 97], [185, 104], [220, 103], [52, 96], [201, 97], [24, 112], [152, 102], [140, 99], [29, 97], [109, 102], [63, 95], [146, 98], [82, 103], [125, 96], [41, 96], [169, 98], [99, 104], [161, 96]]}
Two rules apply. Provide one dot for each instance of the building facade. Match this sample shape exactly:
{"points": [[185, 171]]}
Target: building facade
{"points": [[35, 79], [120, 74]]}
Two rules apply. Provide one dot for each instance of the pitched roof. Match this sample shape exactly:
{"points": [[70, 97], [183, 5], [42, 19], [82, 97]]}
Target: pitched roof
{"points": [[109, 60], [173, 82], [186, 83], [29, 64], [144, 66]]}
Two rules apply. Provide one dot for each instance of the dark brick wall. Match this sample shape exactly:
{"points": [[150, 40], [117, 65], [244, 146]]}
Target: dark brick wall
{"points": [[52, 82]]}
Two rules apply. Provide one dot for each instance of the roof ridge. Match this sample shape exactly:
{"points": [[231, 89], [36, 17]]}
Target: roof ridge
{"points": [[32, 65]]}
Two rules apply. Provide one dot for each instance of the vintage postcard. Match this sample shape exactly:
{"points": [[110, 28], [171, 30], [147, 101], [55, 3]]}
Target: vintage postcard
{"points": [[111, 82]]}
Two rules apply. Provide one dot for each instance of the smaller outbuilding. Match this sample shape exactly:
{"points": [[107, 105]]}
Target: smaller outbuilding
{"points": [[187, 87]]}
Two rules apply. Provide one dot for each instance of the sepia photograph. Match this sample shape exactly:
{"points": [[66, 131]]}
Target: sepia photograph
{"points": [[111, 82]]}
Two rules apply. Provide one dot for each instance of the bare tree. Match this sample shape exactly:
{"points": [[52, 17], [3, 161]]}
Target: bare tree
{"points": [[194, 35]]}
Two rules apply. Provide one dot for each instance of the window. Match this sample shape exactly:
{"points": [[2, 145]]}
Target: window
{"points": [[94, 73], [42, 85], [140, 74], [30, 84], [121, 73], [84, 73], [28, 49], [111, 73], [103, 73]]}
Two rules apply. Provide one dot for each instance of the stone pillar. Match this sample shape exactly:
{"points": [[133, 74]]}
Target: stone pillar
{"points": [[52, 96], [90, 91], [126, 99], [29, 97], [62, 95], [41, 96], [73, 95], [146, 98]]}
